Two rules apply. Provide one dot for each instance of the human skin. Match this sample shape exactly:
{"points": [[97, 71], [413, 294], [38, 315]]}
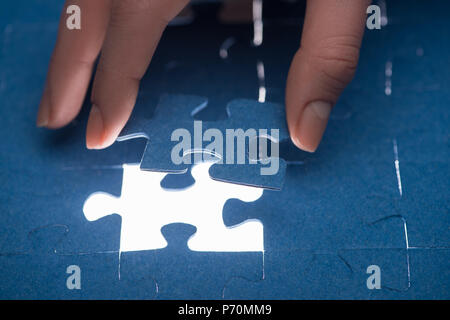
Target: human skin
{"points": [[125, 33]]}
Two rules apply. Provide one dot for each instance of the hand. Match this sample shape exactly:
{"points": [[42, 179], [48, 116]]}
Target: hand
{"points": [[323, 66], [127, 33]]}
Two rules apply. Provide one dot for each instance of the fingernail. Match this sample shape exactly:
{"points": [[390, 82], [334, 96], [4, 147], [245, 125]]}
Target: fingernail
{"points": [[95, 129], [43, 114], [311, 125]]}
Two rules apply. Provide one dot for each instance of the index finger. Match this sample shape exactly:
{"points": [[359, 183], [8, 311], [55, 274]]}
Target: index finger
{"points": [[72, 62]]}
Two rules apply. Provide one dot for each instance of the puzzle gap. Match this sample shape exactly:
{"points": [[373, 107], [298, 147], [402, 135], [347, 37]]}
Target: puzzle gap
{"points": [[145, 207]]}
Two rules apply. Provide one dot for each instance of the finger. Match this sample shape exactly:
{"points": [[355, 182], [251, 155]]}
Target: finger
{"points": [[323, 66], [133, 34], [71, 63]]}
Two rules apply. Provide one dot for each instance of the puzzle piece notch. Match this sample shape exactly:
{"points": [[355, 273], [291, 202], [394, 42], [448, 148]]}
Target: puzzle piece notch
{"points": [[145, 207], [173, 122], [180, 273]]}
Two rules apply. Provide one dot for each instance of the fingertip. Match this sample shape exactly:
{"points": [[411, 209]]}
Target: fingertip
{"points": [[296, 141], [311, 125], [43, 114], [95, 129], [56, 112], [59, 117], [97, 134]]}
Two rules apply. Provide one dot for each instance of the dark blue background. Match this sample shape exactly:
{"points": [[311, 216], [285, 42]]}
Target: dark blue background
{"points": [[339, 210]]}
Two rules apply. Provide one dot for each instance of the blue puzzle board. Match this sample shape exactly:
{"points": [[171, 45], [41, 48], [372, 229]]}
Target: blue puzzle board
{"points": [[340, 210]]}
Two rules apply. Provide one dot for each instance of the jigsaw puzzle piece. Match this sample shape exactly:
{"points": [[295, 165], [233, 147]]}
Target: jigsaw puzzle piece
{"points": [[268, 121], [358, 131], [425, 204], [297, 274], [376, 132], [184, 274], [40, 273], [419, 171], [57, 199], [173, 122], [45, 276], [172, 112], [323, 216], [392, 266]]}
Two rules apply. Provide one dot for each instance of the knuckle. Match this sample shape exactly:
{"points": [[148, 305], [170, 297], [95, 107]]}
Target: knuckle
{"points": [[117, 74], [336, 59]]}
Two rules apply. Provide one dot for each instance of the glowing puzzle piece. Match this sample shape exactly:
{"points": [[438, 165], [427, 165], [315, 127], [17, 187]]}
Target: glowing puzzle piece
{"points": [[145, 207]]}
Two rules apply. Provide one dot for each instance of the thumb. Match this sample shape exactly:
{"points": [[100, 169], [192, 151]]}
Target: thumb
{"points": [[323, 66]]}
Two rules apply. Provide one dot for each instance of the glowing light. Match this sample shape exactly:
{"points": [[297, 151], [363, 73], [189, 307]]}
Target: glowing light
{"points": [[384, 18], [145, 207], [257, 22], [262, 81], [397, 168]]}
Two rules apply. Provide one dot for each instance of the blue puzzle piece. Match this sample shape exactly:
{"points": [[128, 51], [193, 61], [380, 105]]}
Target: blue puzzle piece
{"points": [[306, 222], [301, 274], [58, 198], [40, 273], [332, 258], [427, 216], [184, 274], [44, 276], [176, 112]]}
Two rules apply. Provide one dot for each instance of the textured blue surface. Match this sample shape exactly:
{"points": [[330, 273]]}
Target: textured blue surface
{"points": [[340, 209]]}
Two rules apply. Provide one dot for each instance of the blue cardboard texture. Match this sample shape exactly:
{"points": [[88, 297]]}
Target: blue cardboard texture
{"points": [[326, 275], [56, 197], [430, 273], [374, 193], [40, 273], [184, 274]]}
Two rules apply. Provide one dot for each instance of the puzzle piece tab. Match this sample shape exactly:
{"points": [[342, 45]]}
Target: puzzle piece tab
{"points": [[173, 124]]}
